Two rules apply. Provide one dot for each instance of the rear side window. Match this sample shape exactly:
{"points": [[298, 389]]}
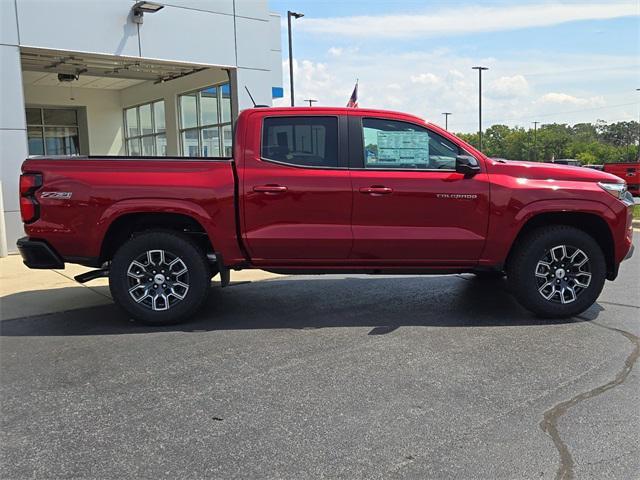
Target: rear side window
{"points": [[302, 141]]}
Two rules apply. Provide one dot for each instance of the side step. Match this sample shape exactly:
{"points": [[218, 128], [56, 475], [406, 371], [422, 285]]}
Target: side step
{"points": [[92, 275]]}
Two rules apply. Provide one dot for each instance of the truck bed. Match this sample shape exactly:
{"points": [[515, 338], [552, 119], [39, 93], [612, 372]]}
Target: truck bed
{"points": [[108, 187]]}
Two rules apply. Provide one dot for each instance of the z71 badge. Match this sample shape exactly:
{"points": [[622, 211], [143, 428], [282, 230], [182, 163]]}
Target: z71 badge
{"points": [[56, 195]]}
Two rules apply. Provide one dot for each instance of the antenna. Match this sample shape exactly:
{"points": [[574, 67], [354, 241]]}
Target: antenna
{"points": [[250, 96], [255, 105]]}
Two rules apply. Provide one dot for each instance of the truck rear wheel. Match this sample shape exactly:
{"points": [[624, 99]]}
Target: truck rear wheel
{"points": [[557, 271], [159, 278]]}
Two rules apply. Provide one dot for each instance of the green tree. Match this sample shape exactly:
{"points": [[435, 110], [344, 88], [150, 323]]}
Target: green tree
{"points": [[590, 143]]}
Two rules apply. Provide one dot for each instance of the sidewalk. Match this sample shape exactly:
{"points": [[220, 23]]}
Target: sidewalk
{"points": [[25, 292]]}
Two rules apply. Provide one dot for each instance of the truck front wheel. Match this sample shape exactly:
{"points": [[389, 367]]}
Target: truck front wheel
{"points": [[159, 278], [557, 271]]}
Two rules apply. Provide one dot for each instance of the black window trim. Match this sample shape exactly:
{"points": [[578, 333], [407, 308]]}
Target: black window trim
{"points": [[342, 142], [356, 148]]}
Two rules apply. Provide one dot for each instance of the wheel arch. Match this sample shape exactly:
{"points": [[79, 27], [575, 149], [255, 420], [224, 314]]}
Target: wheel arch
{"points": [[128, 224], [590, 223]]}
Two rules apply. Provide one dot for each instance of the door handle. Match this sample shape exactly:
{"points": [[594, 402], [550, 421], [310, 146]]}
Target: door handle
{"points": [[270, 188], [376, 190]]}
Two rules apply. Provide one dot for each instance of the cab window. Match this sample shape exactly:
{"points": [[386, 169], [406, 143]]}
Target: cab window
{"points": [[301, 141], [391, 144]]}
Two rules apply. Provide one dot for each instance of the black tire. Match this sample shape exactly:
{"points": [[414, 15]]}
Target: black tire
{"points": [[159, 303], [528, 273]]}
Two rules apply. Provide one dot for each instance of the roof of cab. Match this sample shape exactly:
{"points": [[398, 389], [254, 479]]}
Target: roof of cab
{"points": [[332, 111]]}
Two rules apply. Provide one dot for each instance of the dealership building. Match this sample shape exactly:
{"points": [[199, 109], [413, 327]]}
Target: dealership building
{"points": [[120, 77]]}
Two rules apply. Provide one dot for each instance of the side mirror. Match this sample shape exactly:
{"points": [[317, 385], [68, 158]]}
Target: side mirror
{"points": [[467, 165]]}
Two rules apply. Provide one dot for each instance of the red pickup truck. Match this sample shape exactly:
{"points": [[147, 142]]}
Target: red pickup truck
{"points": [[629, 172], [326, 190]]}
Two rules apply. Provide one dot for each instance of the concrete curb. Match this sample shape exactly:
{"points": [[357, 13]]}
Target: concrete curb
{"points": [[635, 223]]}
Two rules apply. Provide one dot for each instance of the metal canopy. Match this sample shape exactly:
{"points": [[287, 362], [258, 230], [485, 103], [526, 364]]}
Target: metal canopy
{"points": [[72, 63]]}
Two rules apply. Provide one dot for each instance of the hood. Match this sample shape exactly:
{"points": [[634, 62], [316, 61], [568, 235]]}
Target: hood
{"points": [[545, 171]]}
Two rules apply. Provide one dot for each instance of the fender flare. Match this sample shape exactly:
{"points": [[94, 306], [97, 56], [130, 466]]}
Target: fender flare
{"points": [[151, 205], [497, 250]]}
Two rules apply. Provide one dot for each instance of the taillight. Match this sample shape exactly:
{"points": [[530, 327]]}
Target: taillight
{"points": [[29, 208]]}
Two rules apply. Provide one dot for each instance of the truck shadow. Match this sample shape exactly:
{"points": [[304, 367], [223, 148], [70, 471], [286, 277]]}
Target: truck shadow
{"points": [[381, 303]]}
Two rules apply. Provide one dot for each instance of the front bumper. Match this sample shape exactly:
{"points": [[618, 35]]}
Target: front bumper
{"points": [[38, 254]]}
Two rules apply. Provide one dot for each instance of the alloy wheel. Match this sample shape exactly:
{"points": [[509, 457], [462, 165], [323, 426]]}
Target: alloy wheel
{"points": [[562, 274], [158, 280]]}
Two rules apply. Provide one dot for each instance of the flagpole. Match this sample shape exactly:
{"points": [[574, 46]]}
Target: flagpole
{"points": [[353, 100]]}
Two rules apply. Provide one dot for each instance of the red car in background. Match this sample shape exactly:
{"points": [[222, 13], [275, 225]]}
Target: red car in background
{"points": [[629, 172]]}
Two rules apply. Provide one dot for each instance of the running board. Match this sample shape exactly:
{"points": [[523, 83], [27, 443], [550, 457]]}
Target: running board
{"points": [[92, 275]]}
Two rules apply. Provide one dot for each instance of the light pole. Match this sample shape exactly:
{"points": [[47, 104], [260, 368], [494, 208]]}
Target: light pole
{"points": [[480, 69], [535, 141], [446, 120], [311, 101], [638, 157], [289, 15]]}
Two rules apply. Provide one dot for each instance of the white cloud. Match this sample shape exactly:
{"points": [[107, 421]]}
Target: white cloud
{"points": [[509, 87], [340, 51], [566, 99], [425, 79], [467, 20], [427, 83]]}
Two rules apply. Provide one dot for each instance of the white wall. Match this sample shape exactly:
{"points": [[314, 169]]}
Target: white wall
{"points": [[13, 138], [80, 25], [275, 50], [104, 113]]}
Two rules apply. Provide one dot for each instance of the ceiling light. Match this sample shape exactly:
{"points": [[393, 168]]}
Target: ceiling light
{"points": [[140, 8]]}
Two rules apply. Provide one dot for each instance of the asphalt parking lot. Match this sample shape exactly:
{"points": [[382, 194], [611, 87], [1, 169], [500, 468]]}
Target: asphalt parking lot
{"points": [[329, 377]]}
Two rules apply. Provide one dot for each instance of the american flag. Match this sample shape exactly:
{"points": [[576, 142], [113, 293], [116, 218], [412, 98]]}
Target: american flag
{"points": [[353, 100]]}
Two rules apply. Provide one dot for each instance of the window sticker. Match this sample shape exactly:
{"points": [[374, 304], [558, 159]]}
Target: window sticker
{"points": [[403, 148]]}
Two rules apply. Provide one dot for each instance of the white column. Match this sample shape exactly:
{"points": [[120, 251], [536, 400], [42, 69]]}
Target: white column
{"points": [[13, 139]]}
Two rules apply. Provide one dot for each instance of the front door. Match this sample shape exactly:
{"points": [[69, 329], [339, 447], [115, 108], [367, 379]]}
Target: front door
{"points": [[297, 192], [410, 207]]}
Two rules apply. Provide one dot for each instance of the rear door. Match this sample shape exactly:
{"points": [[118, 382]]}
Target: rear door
{"points": [[297, 191], [410, 207]]}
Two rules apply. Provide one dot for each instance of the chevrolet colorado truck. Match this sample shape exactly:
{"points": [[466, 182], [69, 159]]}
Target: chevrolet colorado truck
{"points": [[326, 190]]}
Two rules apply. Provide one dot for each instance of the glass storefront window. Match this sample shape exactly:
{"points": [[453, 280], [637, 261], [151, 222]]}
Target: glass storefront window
{"points": [[205, 122], [145, 130], [161, 145], [34, 116], [209, 106], [60, 117], [189, 111], [133, 147], [146, 123], [226, 103], [158, 116], [52, 131], [61, 141], [148, 146], [227, 135], [211, 142], [190, 143], [36, 143]]}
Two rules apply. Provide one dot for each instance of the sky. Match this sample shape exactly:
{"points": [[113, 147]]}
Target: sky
{"points": [[549, 61]]}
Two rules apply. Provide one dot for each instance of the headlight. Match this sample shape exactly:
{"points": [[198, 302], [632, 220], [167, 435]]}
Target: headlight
{"points": [[618, 190]]}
